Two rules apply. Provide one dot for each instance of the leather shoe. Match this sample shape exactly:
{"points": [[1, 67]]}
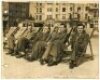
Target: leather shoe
{"points": [[52, 63]]}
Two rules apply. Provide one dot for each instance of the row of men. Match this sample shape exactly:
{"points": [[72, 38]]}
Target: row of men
{"points": [[48, 46]]}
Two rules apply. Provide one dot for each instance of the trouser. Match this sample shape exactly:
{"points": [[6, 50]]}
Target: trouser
{"points": [[22, 45], [47, 51], [10, 50]]}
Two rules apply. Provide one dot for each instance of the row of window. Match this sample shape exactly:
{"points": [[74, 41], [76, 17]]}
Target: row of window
{"points": [[39, 10], [40, 4], [39, 17], [57, 9], [63, 9]]}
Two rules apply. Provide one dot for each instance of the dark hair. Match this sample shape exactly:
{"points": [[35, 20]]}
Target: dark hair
{"points": [[49, 28], [80, 24], [65, 26]]}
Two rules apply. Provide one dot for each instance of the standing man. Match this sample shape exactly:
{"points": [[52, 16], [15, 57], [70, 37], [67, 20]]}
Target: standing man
{"points": [[79, 41]]}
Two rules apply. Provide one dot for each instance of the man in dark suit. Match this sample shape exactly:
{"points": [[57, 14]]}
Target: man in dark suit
{"points": [[79, 40], [39, 47], [55, 47]]}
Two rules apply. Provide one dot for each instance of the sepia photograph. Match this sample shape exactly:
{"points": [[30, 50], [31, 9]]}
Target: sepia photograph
{"points": [[50, 39]]}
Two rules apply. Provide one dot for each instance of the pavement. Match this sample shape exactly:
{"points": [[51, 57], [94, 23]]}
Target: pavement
{"points": [[13, 67]]}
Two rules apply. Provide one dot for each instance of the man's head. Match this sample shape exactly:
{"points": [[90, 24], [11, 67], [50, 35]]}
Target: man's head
{"points": [[46, 29], [56, 29], [62, 28], [29, 28], [80, 28]]}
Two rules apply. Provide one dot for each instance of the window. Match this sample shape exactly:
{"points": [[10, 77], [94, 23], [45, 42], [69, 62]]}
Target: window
{"points": [[86, 16], [49, 9], [71, 8], [75, 15], [95, 5], [57, 3], [24, 9], [37, 4], [57, 16], [79, 16], [49, 16], [36, 17], [64, 17], [40, 4], [40, 17], [63, 9], [37, 10], [40, 9], [79, 8], [87, 8], [10, 14], [56, 9], [95, 15], [70, 16]]}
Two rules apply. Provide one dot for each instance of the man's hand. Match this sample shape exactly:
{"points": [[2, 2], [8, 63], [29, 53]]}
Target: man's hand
{"points": [[16, 41], [48, 43]]}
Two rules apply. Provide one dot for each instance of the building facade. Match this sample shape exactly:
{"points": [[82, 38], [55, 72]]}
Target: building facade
{"points": [[18, 12], [63, 12], [51, 12], [5, 12]]}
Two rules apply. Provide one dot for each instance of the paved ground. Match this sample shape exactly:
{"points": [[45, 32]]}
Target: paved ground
{"points": [[20, 68]]}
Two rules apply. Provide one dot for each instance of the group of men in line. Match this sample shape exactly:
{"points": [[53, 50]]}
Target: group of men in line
{"points": [[48, 46]]}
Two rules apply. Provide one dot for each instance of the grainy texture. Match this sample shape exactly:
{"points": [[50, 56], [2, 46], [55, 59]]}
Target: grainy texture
{"points": [[20, 68], [18, 18]]}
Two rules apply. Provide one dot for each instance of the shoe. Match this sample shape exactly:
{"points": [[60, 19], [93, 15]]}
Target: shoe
{"points": [[8, 53], [25, 57], [13, 54], [52, 63], [41, 61], [19, 56], [46, 60], [29, 58], [71, 65], [75, 65]]}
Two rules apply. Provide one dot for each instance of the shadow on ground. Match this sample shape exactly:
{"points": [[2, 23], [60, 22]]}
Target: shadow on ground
{"points": [[66, 58]]}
